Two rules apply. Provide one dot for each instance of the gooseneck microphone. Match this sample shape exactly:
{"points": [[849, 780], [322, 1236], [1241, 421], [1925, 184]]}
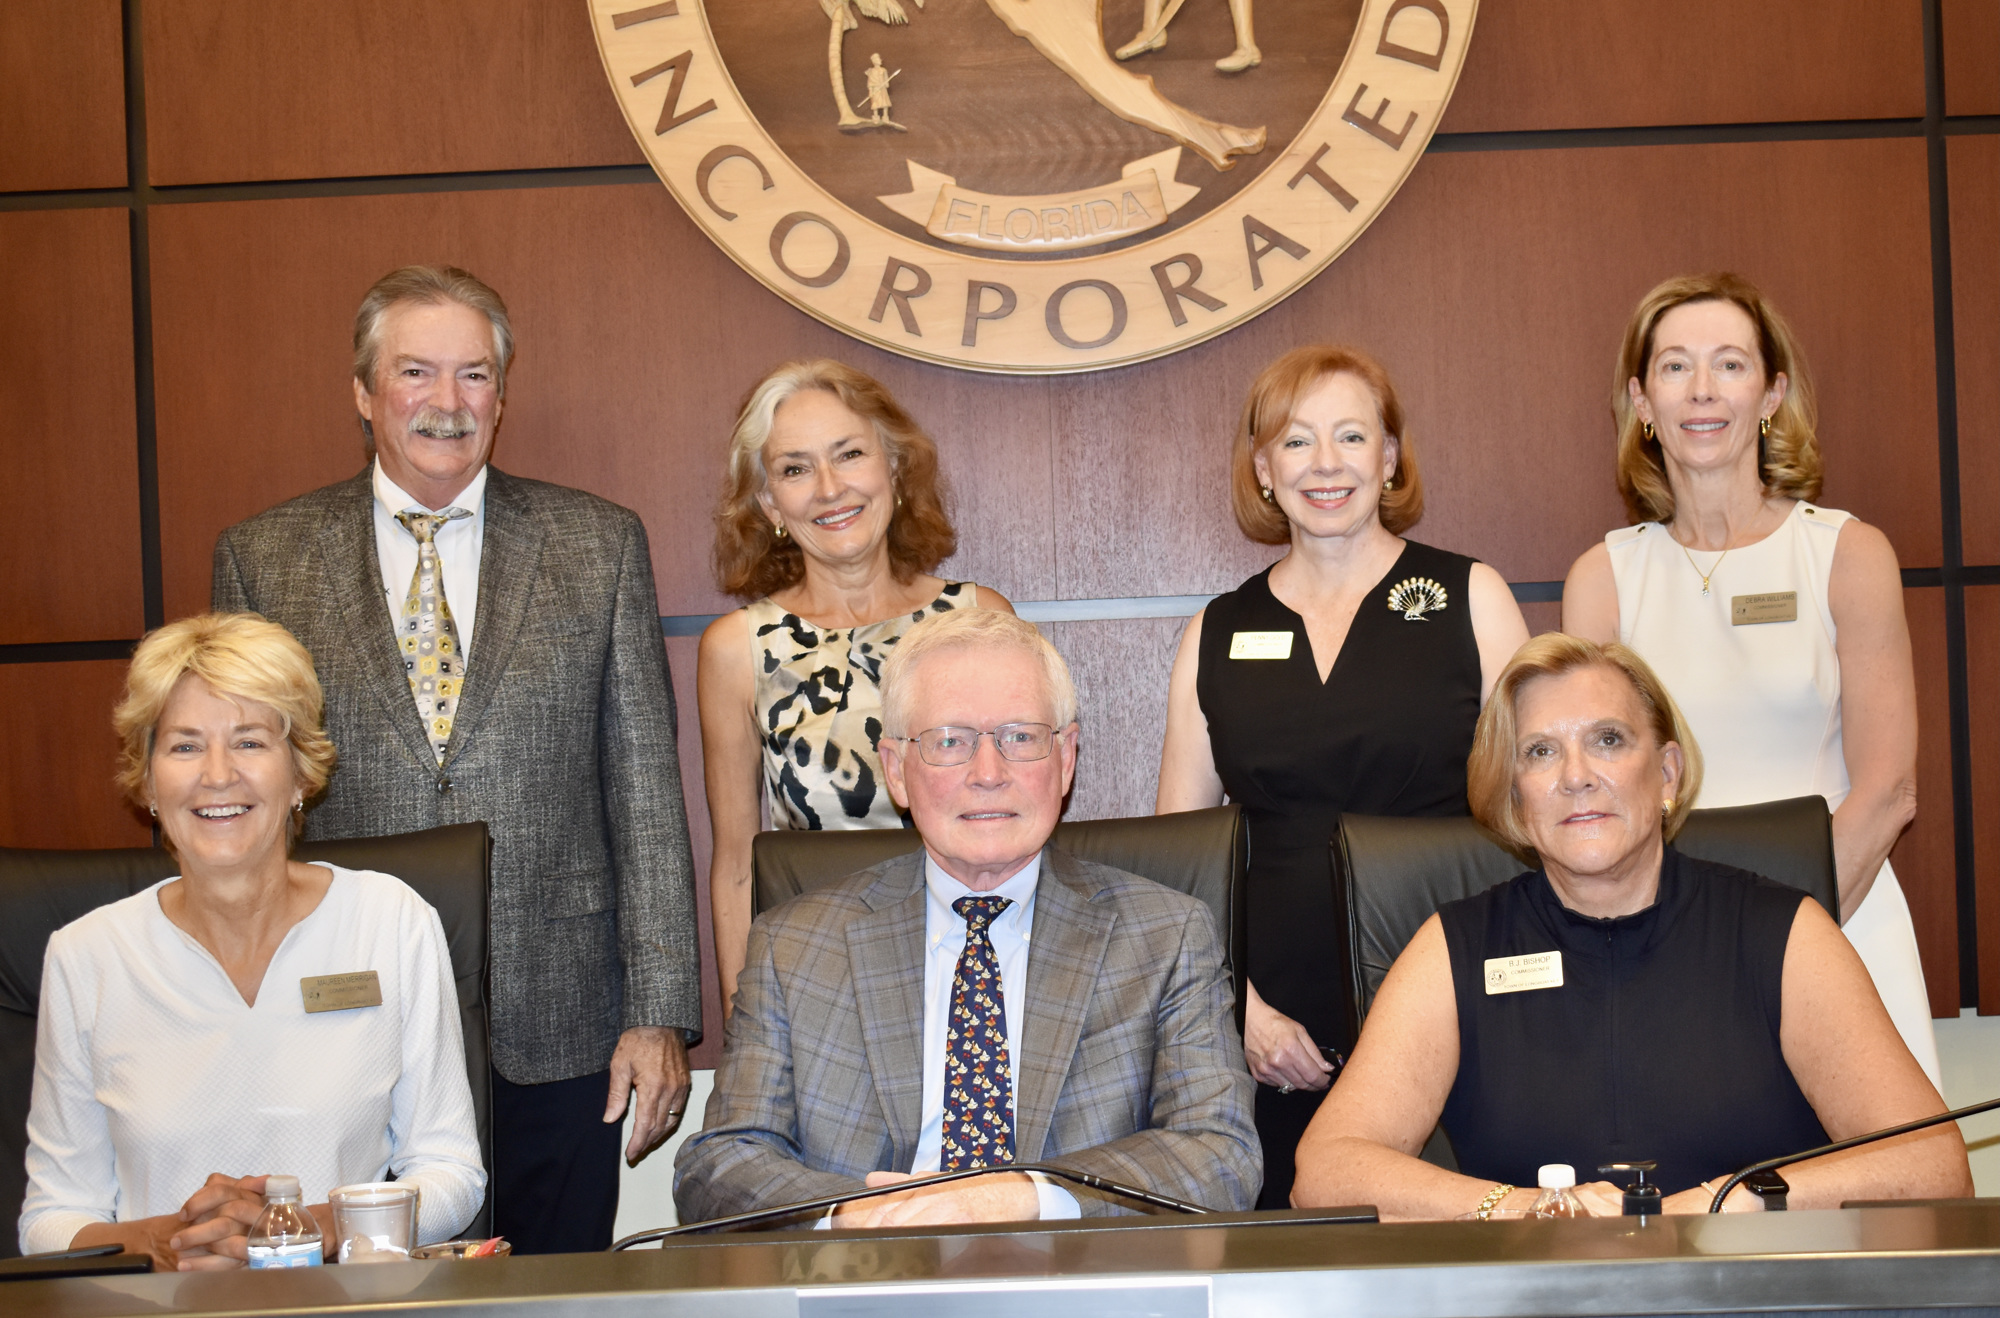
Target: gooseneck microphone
{"points": [[1772, 1164], [1088, 1180]]}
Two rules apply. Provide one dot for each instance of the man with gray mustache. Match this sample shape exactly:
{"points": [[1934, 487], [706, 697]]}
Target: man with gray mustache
{"points": [[490, 649]]}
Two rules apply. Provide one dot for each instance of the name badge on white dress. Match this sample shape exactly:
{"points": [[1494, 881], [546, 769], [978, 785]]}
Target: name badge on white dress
{"points": [[1260, 645], [1777, 606], [1518, 974], [360, 988]]}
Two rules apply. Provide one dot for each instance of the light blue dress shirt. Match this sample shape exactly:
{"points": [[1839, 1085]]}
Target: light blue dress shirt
{"points": [[944, 943]]}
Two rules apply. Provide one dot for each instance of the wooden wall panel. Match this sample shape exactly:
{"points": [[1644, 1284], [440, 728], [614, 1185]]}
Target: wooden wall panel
{"points": [[266, 89], [1615, 63], [1120, 669], [62, 95], [1502, 337], [71, 537], [55, 781], [627, 383], [1971, 56], [1982, 652], [1973, 164], [1923, 859]]}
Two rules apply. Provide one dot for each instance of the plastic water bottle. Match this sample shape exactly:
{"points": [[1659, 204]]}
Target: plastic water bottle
{"points": [[286, 1236], [1558, 1196]]}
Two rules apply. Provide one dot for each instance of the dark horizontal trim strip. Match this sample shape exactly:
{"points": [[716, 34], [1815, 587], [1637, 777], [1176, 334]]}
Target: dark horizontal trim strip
{"points": [[375, 186], [59, 652], [1552, 139], [602, 175], [1536, 592]]}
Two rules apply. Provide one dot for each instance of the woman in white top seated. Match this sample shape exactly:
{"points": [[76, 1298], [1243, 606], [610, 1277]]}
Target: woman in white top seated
{"points": [[176, 1064]]}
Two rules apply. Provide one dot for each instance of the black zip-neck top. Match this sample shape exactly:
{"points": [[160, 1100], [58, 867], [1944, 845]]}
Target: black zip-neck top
{"points": [[1661, 1043]]}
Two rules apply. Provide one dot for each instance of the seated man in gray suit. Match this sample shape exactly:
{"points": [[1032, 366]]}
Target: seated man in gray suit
{"points": [[897, 1023]]}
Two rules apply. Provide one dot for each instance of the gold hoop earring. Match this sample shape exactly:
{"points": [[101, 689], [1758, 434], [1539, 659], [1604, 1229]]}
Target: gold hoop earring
{"points": [[1763, 427], [1389, 484], [1267, 494], [1667, 806], [1646, 431], [153, 810], [778, 529]]}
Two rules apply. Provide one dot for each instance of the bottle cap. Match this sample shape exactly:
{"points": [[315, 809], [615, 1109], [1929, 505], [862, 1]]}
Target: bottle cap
{"points": [[1556, 1176], [281, 1187]]}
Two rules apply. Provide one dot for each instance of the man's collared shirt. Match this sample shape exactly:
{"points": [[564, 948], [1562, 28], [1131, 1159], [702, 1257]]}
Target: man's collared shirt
{"points": [[944, 943], [458, 545]]}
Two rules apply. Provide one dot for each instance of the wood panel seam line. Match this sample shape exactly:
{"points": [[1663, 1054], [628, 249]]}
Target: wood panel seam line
{"points": [[1957, 680], [152, 573], [562, 176], [1793, 130], [367, 185]]}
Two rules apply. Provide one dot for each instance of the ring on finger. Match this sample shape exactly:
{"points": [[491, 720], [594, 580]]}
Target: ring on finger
{"points": [[1286, 1088]]}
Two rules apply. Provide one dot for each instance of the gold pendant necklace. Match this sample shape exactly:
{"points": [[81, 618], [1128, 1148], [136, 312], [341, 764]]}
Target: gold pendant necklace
{"points": [[1697, 570]]}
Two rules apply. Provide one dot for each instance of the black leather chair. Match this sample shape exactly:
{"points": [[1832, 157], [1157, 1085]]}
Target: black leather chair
{"points": [[1199, 852], [41, 891], [1390, 875]]}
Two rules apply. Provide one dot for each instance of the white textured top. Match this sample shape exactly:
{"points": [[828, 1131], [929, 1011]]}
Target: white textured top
{"points": [[1763, 699], [459, 544], [152, 1072]]}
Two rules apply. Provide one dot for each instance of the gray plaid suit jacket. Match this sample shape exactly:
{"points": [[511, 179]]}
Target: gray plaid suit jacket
{"points": [[563, 744], [1131, 1067]]}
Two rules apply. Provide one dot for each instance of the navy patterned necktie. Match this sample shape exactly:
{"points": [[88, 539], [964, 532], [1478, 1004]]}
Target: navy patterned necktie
{"points": [[428, 636], [978, 1075]]}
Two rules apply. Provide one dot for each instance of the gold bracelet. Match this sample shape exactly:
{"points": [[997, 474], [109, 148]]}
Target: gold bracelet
{"points": [[1492, 1201]]}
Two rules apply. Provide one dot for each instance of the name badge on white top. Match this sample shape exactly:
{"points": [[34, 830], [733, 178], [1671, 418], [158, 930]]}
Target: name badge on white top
{"points": [[1260, 645], [1518, 974]]}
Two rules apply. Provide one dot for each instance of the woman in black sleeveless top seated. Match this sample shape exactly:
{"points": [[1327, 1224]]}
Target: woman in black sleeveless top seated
{"points": [[1625, 1002]]}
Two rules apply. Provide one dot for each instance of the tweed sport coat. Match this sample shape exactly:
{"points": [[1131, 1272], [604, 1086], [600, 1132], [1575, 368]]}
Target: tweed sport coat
{"points": [[563, 744], [1130, 1063]]}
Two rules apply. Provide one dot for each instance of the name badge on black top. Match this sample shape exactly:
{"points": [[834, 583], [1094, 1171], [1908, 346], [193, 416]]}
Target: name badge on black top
{"points": [[360, 988], [1260, 645], [1518, 974], [1778, 606]]}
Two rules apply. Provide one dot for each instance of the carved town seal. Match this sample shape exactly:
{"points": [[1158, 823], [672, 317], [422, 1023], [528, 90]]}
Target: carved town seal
{"points": [[1015, 185]]}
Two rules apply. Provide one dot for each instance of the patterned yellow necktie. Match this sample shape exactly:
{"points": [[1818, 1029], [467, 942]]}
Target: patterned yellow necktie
{"points": [[428, 636]]}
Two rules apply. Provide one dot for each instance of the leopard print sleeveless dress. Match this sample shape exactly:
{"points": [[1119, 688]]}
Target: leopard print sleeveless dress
{"points": [[819, 712]]}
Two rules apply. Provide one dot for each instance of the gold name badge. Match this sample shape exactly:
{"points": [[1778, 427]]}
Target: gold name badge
{"points": [[361, 988], [1518, 974], [1260, 645], [1778, 606]]}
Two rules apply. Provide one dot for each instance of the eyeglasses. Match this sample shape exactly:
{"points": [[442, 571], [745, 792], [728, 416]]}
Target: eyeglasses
{"points": [[1020, 742]]}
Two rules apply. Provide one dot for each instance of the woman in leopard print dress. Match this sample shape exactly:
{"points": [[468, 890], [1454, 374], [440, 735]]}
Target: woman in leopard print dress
{"points": [[832, 519]]}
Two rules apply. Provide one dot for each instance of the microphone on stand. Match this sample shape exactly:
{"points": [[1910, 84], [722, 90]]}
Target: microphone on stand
{"points": [[1773, 1164], [1089, 1180]]}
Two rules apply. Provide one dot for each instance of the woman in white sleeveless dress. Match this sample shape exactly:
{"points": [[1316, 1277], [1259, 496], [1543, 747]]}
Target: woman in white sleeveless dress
{"points": [[832, 518], [1776, 623]]}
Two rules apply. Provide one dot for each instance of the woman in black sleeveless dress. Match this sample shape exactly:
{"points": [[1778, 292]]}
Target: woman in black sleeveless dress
{"points": [[1345, 678], [1624, 1001]]}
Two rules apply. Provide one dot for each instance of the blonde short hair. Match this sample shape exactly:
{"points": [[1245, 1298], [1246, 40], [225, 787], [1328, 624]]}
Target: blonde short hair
{"points": [[751, 559], [981, 629], [1275, 396], [1788, 458], [242, 656], [1489, 773]]}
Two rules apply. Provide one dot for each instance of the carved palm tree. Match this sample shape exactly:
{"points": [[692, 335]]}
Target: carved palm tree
{"points": [[840, 14]]}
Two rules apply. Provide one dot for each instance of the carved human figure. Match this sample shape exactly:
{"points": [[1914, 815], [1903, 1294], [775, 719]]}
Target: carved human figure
{"points": [[1069, 35], [879, 79], [1153, 34], [841, 20]]}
